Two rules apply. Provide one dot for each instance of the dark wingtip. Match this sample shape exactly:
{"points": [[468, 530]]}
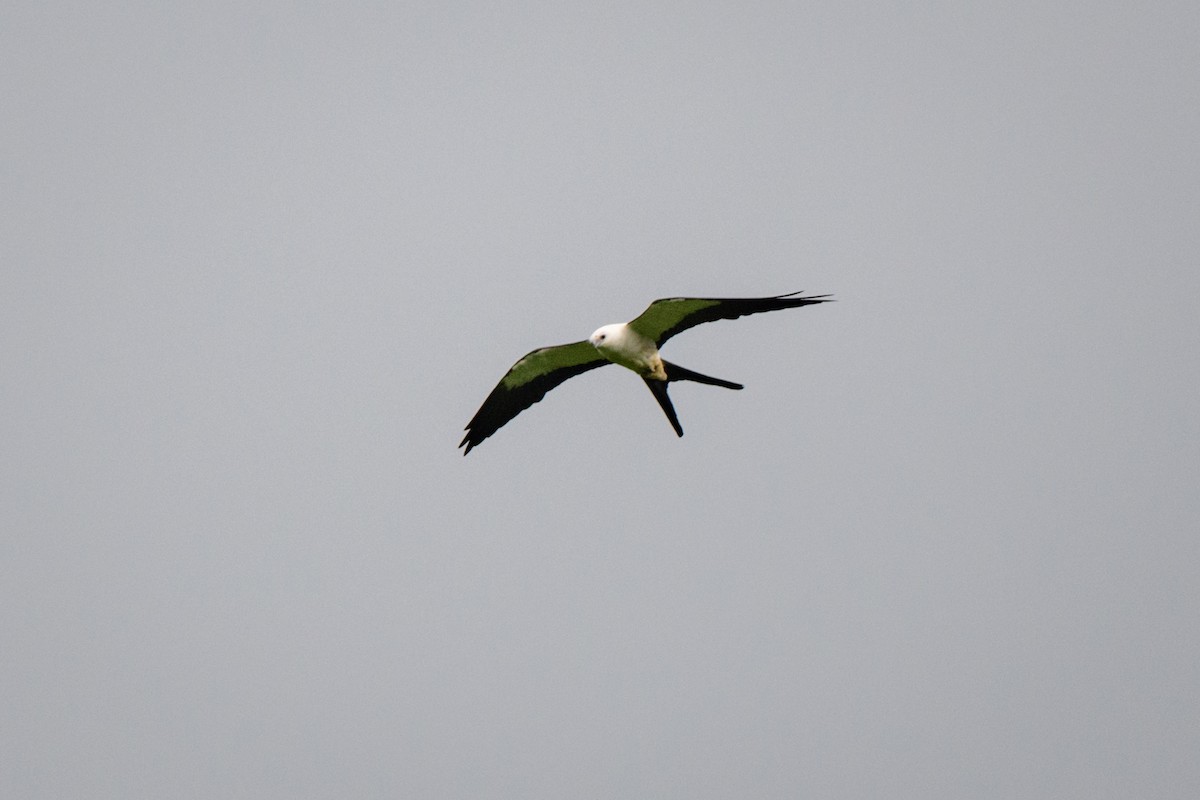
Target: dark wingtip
{"points": [[816, 298]]}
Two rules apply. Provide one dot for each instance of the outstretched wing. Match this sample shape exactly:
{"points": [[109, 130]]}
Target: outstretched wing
{"points": [[664, 318], [526, 383]]}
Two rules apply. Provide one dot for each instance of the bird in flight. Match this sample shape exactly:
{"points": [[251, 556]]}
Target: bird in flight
{"points": [[632, 344]]}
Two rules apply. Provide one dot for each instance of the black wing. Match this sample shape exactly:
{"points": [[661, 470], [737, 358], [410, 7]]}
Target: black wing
{"points": [[664, 318], [526, 383]]}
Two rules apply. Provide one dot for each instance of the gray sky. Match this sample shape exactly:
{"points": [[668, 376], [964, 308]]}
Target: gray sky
{"points": [[261, 264]]}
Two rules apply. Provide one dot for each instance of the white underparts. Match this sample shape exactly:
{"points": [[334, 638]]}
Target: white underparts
{"points": [[622, 345]]}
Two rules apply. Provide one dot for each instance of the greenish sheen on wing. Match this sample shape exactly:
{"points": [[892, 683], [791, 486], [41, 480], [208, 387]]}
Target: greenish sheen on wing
{"points": [[546, 360]]}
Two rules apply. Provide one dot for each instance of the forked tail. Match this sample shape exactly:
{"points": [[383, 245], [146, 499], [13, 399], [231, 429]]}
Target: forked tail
{"points": [[678, 373], [659, 390]]}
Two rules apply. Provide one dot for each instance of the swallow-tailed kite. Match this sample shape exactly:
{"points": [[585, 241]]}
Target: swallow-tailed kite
{"points": [[631, 344]]}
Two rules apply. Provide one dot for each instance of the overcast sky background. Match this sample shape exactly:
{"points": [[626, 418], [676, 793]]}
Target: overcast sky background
{"points": [[260, 264]]}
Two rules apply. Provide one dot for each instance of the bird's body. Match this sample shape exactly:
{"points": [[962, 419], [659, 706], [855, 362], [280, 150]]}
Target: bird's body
{"points": [[622, 345], [633, 345]]}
